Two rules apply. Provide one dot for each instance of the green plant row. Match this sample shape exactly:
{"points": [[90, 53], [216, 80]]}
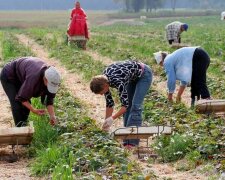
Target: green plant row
{"points": [[11, 48], [203, 133], [76, 148]]}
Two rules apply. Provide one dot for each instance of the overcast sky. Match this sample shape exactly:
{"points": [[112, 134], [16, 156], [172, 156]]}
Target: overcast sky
{"points": [[57, 4]]}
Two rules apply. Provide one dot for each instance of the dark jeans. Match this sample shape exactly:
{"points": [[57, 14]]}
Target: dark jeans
{"points": [[20, 113], [136, 93], [200, 65], [172, 40]]}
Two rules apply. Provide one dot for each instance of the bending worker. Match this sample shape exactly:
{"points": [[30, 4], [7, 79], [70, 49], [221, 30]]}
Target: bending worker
{"points": [[188, 65], [174, 30], [28, 77], [132, 80]]}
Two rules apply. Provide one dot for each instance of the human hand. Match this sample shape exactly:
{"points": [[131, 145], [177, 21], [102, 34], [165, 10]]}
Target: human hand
{"points": [[39, 112], [107, 124], [53, 120]]}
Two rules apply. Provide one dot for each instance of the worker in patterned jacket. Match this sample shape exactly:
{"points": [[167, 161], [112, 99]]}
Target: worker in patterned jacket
{"points": [[174, 30], [132, 80]]}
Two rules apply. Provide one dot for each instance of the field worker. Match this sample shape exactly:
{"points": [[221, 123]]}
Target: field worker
{"points": [[188, 65], [28, 77], [77, 11], [132, 80], [174, 30], [78, 30]]}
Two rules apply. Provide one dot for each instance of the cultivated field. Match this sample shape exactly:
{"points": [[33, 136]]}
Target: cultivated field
{"points": [[77, 148]]}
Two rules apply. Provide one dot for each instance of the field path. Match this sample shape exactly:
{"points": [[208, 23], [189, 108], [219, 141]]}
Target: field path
{"points": [[80, 90]]}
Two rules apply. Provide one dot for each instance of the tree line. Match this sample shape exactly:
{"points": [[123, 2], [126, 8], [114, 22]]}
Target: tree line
{"points": [[149, 5]]}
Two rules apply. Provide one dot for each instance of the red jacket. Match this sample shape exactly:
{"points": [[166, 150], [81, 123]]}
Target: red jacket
{"points": [[78, 24], [79, 11]]}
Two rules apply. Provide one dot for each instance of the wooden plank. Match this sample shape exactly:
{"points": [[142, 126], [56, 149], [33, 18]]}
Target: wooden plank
{"points": [[16, 131], [15, 140], [16, 135], [141, 132], [210, 106]]}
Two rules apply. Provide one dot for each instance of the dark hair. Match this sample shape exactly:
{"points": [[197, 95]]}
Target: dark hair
{"points": [[97, 83]]}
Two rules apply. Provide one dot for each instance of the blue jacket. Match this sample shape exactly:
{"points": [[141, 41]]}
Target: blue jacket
{"points": [[178, 66]]}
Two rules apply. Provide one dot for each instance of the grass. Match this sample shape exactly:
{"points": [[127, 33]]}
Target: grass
{"points": [[11, 48]]}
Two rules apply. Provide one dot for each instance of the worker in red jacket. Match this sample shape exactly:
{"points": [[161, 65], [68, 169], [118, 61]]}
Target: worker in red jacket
{"points": [[78, 29], [78, 10]]}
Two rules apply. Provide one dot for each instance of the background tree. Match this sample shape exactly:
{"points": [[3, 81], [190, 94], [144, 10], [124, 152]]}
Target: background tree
{"points": [[127, 4], [153, 4], [137, 5], [173, 4]]}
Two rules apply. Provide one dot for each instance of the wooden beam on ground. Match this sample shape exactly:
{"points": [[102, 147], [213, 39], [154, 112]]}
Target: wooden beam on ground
{"points": [[141, 132], [16, 135], [210, 106]]}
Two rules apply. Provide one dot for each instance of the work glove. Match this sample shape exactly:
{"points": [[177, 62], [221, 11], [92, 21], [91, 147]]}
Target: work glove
{"points": [[107, 124]]}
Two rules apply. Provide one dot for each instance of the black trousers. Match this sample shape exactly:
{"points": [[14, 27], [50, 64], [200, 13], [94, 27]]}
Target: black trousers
{"points": [[172, 40], [200, 64], [20, 113]]}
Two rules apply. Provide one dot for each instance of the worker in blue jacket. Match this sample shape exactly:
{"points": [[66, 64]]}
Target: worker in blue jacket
{"points": [[188, 65]]}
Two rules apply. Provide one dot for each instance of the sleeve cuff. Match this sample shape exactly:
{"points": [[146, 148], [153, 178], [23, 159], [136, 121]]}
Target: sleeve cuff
{"points": [[183, 83]]}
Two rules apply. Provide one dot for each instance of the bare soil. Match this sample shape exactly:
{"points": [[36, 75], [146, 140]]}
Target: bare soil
{"points": [[96, 105]]}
